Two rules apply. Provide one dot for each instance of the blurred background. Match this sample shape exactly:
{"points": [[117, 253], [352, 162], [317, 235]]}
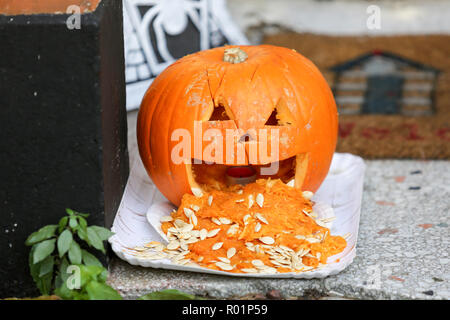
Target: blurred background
{"points": [[387, 62]]}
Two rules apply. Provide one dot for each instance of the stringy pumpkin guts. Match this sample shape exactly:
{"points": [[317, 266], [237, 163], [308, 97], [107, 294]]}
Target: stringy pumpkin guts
{"points": [[264, 227]]}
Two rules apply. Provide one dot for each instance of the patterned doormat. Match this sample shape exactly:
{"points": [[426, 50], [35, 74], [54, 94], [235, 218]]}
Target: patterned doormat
{"points": [[392, 92]]}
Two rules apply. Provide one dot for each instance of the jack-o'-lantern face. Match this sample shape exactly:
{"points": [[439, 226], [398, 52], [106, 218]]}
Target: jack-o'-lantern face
{"points": [[263, 106]]}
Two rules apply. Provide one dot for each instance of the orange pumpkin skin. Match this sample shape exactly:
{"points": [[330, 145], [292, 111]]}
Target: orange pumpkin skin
{"points": [[271, 77]]}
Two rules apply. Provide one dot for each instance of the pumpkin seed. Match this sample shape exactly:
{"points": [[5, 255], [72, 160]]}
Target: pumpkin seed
{"points": [[225, 221], [203, 234], [233, 229], [188, 212], [246, 219], [250, 201], [194, 219], [166, 219], [197, 192], [268, 270], [231, 252], [213, 233], [217, 246], [267, 240], [260, 200], [195, 207], [173, 245], [261, 218], [226, 260], [257, 263], [258, 227], [210, 200], [216, 221], [224, 266], [249, 270]]}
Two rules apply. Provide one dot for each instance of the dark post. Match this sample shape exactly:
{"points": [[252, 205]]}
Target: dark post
{"points": [[62, 122]]}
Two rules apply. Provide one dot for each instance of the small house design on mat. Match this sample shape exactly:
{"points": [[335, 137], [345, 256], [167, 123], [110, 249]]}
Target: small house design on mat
{"points": [[384, 83]]}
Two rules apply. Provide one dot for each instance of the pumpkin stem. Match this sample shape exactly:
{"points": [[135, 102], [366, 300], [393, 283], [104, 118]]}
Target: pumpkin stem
{"points": [[234, 55]]}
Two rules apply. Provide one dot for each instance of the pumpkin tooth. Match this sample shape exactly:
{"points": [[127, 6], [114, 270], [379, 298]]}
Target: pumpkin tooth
{"points": [[291, 183], [307, 195]]}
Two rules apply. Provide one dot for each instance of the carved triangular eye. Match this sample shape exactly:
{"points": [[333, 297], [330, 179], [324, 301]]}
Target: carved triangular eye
{"points": [[219, 114], [281, 115], [273, 120]]}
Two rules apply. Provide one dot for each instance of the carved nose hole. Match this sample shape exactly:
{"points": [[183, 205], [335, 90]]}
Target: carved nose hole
{"points": [[245, 138]]}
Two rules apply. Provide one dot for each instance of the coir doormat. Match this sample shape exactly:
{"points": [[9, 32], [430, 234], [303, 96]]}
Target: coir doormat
{"points": [[392, 92]]}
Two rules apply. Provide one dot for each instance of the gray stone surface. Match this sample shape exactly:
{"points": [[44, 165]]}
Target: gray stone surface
{"points": [[402, 250]]}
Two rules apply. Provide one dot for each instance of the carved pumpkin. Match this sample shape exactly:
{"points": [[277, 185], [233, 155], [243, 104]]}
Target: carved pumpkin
{"points": [[245, 89]]}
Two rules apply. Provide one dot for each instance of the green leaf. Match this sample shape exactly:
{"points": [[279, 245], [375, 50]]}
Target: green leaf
{"points": [[73, 222], [82, 222], [43, 250], [103, 233], [34, 268], [82, 234], [63, 269], [62, 223], [101, 291], [89, 259], [44, 284], [169, 294], [46, 266], [94, 240], [42, 234], [65, 239], [84, 215], [75, 253], [76, 213]]}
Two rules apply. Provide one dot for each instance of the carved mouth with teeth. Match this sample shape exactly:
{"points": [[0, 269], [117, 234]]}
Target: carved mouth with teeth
{"points": [[274, 100]]}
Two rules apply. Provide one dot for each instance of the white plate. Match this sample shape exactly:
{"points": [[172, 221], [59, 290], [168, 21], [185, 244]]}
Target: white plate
{"points": [[142, 205]]}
